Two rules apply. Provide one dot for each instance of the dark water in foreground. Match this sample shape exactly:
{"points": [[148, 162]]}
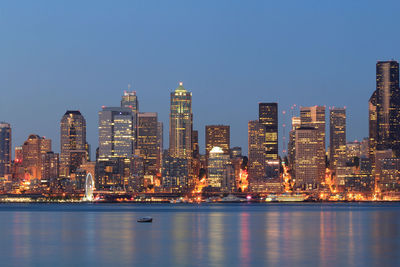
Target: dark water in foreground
{"points": [[200, 235]]}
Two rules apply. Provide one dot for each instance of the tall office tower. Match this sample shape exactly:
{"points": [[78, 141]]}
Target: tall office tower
{"points": [[388, 106], [115, 132], [160, 140], [373, 127], [32, 150], [314, 117], [147, 142], [292, 142], [195, 162], [180, 123], [217, 135], [384, 111], [195, 144], [130, 100], [73, 142], [218, 174], [337, 135], [306, 163], [268, 117], [256, 152], [5, 148]]}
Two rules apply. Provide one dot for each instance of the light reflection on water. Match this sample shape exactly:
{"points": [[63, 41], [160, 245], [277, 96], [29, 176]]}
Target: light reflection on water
{"points": [[200, 235]]}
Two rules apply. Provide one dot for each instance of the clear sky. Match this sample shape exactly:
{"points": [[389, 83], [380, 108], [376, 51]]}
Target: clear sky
{"points": [[59, 55]]}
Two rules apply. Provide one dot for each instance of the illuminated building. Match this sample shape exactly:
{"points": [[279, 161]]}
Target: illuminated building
{"points": [[219, 172], [130, 100], [306, 163], [257, 156], [217, 136], [73, 142], [18, 170], [353, 150], [175, 173], [364, 148], [337, 134], [180, 123], [5, 149], [373, 127], [268, 117], [292, 143], [115, 132], [390, 174], [236, 152], [314, 117], [32, 150], [148, 142], [384, 111], [388, 106], [50, 166], [160, 140]]}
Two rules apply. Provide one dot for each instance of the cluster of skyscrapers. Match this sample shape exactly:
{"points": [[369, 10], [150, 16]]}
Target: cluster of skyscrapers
{"points": [[130, 155]]}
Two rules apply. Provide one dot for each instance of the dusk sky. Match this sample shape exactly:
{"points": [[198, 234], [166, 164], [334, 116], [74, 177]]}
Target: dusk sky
{"points": [[58, 56]]}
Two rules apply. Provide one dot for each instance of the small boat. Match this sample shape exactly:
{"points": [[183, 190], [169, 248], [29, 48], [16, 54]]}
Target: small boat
{"points": [[145, 219]]}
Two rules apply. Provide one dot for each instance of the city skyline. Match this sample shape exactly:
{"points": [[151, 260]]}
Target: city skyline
{"points": [[66, 64]]}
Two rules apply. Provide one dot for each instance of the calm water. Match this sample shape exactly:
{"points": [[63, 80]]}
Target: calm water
{"points": [[200, 235]]}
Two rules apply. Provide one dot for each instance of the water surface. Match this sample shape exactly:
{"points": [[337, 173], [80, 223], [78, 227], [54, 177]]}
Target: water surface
{"points": [[355, 234]]}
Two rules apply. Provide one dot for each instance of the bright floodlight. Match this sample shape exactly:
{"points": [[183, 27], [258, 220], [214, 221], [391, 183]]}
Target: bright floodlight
{"points": [[89, 185]]}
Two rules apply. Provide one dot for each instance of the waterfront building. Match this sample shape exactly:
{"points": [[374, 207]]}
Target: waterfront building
{"points": [[180, 123], [314, 117], [390, 174], [5, 149], [337, 134], [74, 149]]}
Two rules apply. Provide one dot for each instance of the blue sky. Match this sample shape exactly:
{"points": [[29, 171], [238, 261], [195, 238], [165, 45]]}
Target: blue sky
{"points": [[59, 55]]}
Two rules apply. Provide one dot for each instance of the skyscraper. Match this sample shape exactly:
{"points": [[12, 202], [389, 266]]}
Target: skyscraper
{"points": [[292, 143], [217, 136], [307, 158], [268, 117], [5, 148], [314, 117], [180, 123], [256, 152], [130, 100], [373, 127], [116, 132], [386, 100], [337, 134], [147, 142], [73, 142]]}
